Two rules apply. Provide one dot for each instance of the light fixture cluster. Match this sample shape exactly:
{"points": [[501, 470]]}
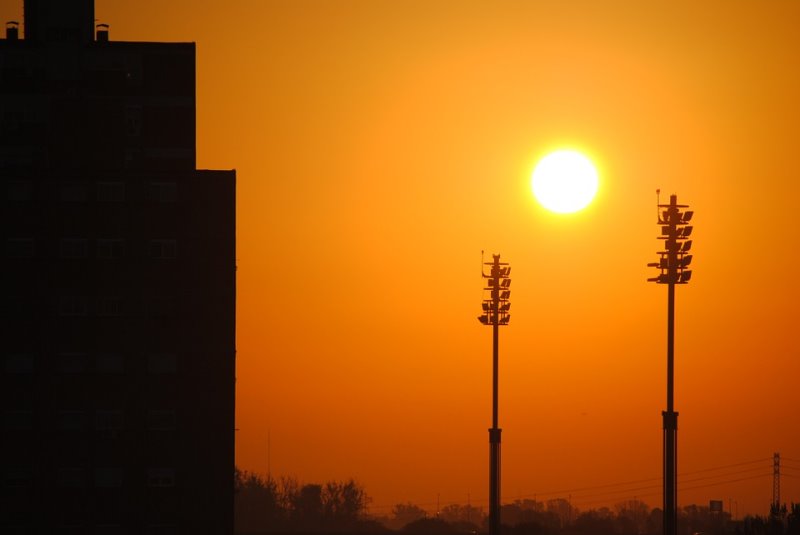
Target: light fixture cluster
{"points": [[496, 307], [675, 231]]}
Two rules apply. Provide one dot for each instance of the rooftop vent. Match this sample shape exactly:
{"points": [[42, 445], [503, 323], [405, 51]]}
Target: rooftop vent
{"points": [[12, 30], [102, 33]]}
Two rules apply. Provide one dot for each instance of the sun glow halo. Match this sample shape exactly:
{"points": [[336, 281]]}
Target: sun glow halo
{"points": [[564, 181]]}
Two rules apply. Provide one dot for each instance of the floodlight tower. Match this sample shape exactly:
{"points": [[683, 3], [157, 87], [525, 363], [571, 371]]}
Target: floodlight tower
{"points": [[673, 264], [495, 313]]}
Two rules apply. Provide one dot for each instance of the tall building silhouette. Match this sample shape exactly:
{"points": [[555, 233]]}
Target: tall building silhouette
{"points": [[118, 287]]}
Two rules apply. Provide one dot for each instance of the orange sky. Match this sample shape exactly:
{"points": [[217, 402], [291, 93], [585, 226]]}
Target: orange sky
{"points": [[381, 145]]}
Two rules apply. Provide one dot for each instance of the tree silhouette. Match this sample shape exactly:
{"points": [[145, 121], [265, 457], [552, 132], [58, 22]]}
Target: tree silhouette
{"points": [[343, 502], [793, 520], [264, 505], [406, 513], [307, 507], [429, 526], [256, 503]]}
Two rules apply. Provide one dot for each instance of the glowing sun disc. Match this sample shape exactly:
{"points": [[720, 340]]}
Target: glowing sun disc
{"points": [[564, 181]]}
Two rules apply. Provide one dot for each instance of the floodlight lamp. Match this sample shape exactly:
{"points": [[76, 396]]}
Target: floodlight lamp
{"points": [[505, 295], [506, 283], [672, 216], [687, 245], [666, 231], [687, 216], [686, 276], [686, 260], [484, 318], [687, 231]]}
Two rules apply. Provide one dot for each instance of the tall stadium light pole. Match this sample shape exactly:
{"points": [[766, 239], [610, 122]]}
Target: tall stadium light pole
{"points": [[673, 263], [495, 313]]}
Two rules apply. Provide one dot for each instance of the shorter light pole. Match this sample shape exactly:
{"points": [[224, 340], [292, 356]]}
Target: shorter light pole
{"points": [[495, 313]]}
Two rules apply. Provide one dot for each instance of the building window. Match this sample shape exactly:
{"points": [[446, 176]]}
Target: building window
{"points": [[73, 191], [110, 306], [19, 363], [73, 478], [133, 121], [160, 307], [18, 529], [73, 305], [162, 420], [108, 420], [20, 248], [74, 248], [164, 249], [18, 476], [162, 529], [18, 420], [110, 191], [133, 157], [19, 190], [110, 248], [158, 363], [160, 477], [163, 191], [11, 120], [110, 363], [71, 420], [73, 362], [108, 477]]}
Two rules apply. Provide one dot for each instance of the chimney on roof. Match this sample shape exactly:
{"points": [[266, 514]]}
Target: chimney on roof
{"points": [[12, 30], [59, 21], [102, 33]]}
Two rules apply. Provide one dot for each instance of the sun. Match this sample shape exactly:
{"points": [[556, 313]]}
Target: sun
{"points": [[564, 181]]}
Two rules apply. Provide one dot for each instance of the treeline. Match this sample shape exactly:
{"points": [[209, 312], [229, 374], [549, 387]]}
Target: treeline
{"points": [[268, 505], [265, 505]]}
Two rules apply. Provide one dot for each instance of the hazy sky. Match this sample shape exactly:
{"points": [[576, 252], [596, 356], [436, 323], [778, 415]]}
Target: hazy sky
{"points": [[381, 145]]}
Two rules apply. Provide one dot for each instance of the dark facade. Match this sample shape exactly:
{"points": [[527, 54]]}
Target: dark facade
{"points": [[118, 289]]}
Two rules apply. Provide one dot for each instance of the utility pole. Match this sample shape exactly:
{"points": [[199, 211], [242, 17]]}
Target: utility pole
{"points": [[775, 509], [495, 313], [673, 266]]}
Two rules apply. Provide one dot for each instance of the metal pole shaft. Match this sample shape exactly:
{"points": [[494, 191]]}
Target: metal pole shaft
{"points": [[494, 432], [495, 344], [670, 422], [670, 346]]}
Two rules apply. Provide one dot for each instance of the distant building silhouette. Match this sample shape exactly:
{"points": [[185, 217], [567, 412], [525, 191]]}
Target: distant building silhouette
{"points": [[118, 287]]}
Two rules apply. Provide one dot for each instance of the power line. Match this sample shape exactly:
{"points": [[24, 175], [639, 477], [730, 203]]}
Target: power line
{"points": [[637, 481], [581, 489], [727, 482], [631, 491], [761, 460], [755, 468], [657, 493]]}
